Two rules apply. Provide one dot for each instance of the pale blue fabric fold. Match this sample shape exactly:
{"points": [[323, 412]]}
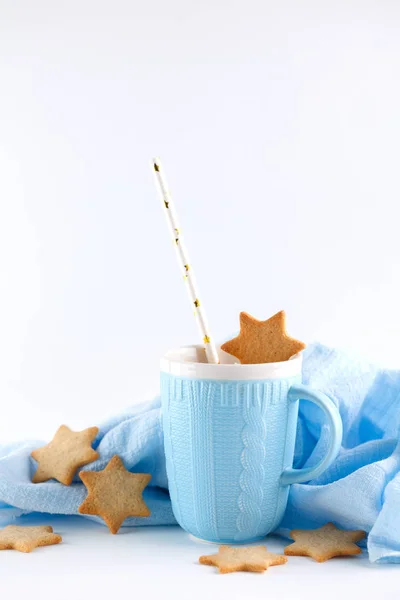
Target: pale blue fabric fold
{"points": [[135, 435], [361, 490]]}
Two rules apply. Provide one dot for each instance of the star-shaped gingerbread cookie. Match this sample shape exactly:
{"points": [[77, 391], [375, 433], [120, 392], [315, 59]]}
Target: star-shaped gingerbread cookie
{"points": [[66, 452], [251, 558], [324, 543], [263, 341], [114, 494], [25, 539]]}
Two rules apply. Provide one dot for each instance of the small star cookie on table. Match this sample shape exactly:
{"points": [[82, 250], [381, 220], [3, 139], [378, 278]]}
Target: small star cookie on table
{"points": [[252, 558], [68, 451], [26, 538], [263, 341], [114, 494], [324, 543]]}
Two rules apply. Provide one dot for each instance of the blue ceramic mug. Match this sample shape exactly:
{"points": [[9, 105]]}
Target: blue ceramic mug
{"points": [[229, 436]]}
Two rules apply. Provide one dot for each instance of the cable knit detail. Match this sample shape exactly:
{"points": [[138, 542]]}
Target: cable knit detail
{"points": [[252, 475]]}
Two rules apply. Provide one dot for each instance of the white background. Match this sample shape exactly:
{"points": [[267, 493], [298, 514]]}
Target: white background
{"points": [[278, 125]]}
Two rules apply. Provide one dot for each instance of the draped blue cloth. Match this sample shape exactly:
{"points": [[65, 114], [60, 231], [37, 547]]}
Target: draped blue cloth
{"points": [[361, 489]]}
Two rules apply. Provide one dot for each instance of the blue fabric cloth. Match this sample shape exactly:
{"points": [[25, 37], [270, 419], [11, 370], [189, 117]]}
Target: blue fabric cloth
{"points": [[135, 435], [360, 490]]}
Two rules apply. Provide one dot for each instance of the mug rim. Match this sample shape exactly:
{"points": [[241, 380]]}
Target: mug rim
{"points": [[173, 363]]}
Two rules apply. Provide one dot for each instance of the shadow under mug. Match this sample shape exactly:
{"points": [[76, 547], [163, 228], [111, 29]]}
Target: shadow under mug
{"points": [[229, 436]]}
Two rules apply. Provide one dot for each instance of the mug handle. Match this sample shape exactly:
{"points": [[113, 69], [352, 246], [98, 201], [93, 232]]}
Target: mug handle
{"points": [[295, 393]]}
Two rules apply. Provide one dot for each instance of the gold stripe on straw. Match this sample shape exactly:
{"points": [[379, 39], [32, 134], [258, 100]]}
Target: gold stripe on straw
{"points": [[184, 263]]}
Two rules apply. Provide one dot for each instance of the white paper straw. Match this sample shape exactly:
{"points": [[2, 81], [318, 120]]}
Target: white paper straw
{"points": [[184, 263]]}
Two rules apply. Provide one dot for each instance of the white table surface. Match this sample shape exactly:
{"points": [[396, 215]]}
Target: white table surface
{"points": [[152, 562]]}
